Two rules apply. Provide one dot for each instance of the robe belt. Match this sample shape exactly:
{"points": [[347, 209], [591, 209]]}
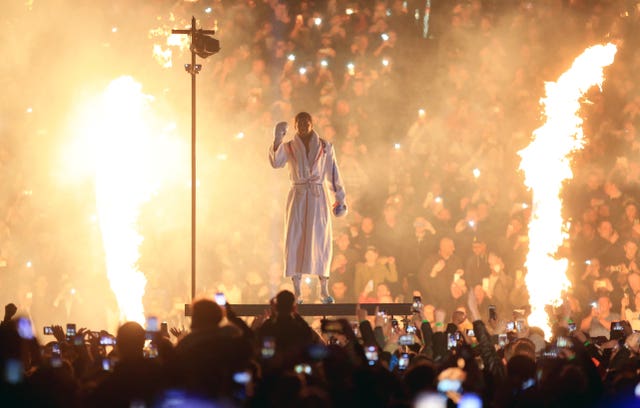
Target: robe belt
{"points": [[311, 184]]}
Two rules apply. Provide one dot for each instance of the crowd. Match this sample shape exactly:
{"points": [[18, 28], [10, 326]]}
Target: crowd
{"points": [[427, 104], [421, 359]]}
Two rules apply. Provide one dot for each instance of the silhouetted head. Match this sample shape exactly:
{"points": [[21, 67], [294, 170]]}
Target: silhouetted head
{"points": [[206, 314], [284, 302], [130, 340]]}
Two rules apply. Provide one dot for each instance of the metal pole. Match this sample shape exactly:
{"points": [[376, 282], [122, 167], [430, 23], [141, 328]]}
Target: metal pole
{"points": [[193, 163], [193, 69]]}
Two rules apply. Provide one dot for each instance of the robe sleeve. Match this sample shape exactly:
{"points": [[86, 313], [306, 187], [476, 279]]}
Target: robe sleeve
{"points": [[335, 179], [277, 157]]}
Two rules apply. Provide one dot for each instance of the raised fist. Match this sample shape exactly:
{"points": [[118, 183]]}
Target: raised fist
{"points": [[280, 130]]}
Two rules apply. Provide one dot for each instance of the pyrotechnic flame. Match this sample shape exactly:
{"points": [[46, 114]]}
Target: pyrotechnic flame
{"points": [[123, 183], [546, 164]]}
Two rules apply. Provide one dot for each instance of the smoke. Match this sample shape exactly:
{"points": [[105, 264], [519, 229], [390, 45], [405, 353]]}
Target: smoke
{"points": [[480, 93]]}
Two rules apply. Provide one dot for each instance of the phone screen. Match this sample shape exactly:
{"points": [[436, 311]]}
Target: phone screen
{"points": [[221, 299], [403, 361], [71, 330], [152, 324]]}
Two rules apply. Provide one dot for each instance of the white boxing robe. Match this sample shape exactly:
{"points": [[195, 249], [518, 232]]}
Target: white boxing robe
{"points": [[307, 224]]}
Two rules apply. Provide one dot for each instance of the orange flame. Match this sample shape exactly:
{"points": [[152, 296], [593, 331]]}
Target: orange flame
{"points": [[546, 163]]}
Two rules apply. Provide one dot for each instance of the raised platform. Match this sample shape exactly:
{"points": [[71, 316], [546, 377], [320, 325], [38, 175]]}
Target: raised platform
{"points": [[335, 309]]}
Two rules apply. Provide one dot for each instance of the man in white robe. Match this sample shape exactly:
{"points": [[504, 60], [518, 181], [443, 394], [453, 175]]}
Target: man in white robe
{"points": [[312, 170]]}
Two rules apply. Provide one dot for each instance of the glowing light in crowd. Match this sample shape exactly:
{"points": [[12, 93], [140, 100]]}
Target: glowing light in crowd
{"points": [[351, 67], [208, 10], [291, 57], [302, 70], [476, 173], [385, 62], [546, 164], [384, 36], [324, 63], [422, 113], [317, 21], [240, 135]]}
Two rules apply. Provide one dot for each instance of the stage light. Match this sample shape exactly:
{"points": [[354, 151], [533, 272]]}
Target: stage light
{"points": [[204, 46]]}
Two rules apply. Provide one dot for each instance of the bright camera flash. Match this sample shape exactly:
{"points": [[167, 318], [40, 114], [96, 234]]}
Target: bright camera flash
{"points": [[422, 113], [476, 173], [385, 62], [291, 57], [324, 63], [396, 146], [348, 11], [317, 21], [302, 70], [384, 36], [208, 10], [240, 135]]}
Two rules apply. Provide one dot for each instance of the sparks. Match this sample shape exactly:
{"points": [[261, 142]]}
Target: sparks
{"points": [[546, 164]]}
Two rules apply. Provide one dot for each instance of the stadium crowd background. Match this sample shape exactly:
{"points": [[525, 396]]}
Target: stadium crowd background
{"points": [[412, 112]]}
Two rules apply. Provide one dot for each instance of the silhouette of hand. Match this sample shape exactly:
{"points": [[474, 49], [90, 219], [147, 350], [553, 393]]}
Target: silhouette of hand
{"points": [[9, 311]]}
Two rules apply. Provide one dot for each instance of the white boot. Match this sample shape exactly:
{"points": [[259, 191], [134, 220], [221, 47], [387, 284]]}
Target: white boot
{"points": [[324, 290], [297, 280]]}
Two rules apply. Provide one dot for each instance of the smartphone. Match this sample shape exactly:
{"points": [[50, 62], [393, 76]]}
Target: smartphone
{"points": [[563, 342], [394, 323], [164, 329], [572, 327], [411, 329], [71, 330], [372, 355], [13, 371], [403, 361], [55, 349], [617, 330], [511, 326], [243, 377], [492, 313], [502, 340], [268, 347], [520, 327], [107, 340], [406, 340], [152, 324], [471, 333], [24, 328], [106, 364], [78, 340], [448, 385], [47, 330], [302, 369], [417, 304], [551, 352], [452, 342], [220, 299]]}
